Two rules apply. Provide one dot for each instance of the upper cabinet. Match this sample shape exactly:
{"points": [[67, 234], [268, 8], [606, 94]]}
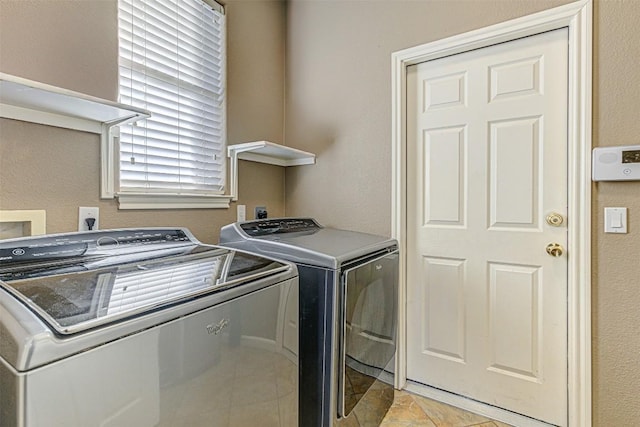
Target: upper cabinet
{"points": [[36, 102]]}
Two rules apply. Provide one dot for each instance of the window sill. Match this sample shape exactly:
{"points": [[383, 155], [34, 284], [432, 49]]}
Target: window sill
{"points": [[169, 201]]}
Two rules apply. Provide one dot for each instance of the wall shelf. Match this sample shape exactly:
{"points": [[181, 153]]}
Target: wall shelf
{"points": [[35, 102], [264, 152], [31, 101], [273, 154]]}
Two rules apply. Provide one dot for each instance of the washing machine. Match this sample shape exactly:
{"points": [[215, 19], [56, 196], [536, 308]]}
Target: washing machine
{"points": [[145, 327], [347, 318]]}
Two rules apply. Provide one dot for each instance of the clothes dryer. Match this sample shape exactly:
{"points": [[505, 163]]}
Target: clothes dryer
{"points": [[348, 314]]}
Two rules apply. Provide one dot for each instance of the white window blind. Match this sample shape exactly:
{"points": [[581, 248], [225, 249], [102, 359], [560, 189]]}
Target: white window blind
{"points": [[172, 62]]}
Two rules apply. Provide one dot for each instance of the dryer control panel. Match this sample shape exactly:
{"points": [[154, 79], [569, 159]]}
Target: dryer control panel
{"points": [[278, 226]]}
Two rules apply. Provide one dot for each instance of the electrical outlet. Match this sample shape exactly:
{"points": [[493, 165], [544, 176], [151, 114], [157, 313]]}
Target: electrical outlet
{"points": [[85, 213], [261, 212]]}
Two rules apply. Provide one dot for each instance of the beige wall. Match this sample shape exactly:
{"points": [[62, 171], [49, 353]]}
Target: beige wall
{"points": [[73, 44], [616, 270], [338, 100], [338, 105]]}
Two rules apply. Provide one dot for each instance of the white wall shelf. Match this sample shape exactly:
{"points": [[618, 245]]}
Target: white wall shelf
{"points": [[35, 102], [264, 152], [31, 101]]}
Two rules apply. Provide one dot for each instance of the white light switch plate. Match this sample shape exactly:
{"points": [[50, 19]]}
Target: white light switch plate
{"points": [[615, 220], [242, 213]]}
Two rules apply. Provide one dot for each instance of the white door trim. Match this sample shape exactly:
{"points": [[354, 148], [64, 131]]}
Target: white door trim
{"points": [[577, 17]]}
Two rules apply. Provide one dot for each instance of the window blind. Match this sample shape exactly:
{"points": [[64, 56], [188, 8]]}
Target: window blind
{"points": [[172, 62]]}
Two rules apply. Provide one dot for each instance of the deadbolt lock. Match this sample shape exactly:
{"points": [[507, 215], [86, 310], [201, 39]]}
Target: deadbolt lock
{"points": [[554, 219], [555, 249]]}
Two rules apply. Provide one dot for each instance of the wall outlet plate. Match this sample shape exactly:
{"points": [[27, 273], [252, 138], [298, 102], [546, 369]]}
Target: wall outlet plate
{"points": [[83, 214]]}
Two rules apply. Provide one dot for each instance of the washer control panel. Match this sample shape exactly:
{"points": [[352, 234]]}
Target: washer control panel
{"points": [[278, 226], [72, 245]]}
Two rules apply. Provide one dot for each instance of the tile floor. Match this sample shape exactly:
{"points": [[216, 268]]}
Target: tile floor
{"points": [[412, 410]]}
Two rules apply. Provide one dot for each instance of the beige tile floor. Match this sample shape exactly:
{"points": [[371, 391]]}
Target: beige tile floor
{"points": [[412, 410]]}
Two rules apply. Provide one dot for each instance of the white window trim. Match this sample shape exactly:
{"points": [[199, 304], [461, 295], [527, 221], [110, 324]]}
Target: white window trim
{"points": [[172, 201], [129, 200]]}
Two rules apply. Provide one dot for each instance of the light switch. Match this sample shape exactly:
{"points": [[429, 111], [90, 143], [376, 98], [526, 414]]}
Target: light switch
{"points": [[615, 220], [242, 213]]}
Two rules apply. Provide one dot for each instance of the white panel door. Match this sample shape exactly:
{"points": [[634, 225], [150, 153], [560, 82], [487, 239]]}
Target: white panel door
{"points": [[486, 164]]}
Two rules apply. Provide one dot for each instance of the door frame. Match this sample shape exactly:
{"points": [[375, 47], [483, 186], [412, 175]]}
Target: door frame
{"points": [[577, 17]]}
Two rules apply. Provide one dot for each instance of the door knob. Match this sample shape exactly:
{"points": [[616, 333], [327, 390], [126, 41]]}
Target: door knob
{"points": [[554, 219], [555, 249]]}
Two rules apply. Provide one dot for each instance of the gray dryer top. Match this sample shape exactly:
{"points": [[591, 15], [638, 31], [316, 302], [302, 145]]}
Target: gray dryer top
{"points": [[303, 241]]}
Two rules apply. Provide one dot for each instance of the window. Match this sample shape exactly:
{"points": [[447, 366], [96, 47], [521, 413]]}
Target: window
{"points": [[172, 63]]}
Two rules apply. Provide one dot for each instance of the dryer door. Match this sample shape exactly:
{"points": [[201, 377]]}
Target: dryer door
{"points": [[369, 323]]}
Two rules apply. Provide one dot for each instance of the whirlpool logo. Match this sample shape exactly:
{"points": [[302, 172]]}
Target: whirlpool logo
{"points": [[215, 329]]}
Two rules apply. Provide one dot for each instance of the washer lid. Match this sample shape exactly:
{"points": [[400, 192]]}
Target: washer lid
{"points": [[88, 292]]}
